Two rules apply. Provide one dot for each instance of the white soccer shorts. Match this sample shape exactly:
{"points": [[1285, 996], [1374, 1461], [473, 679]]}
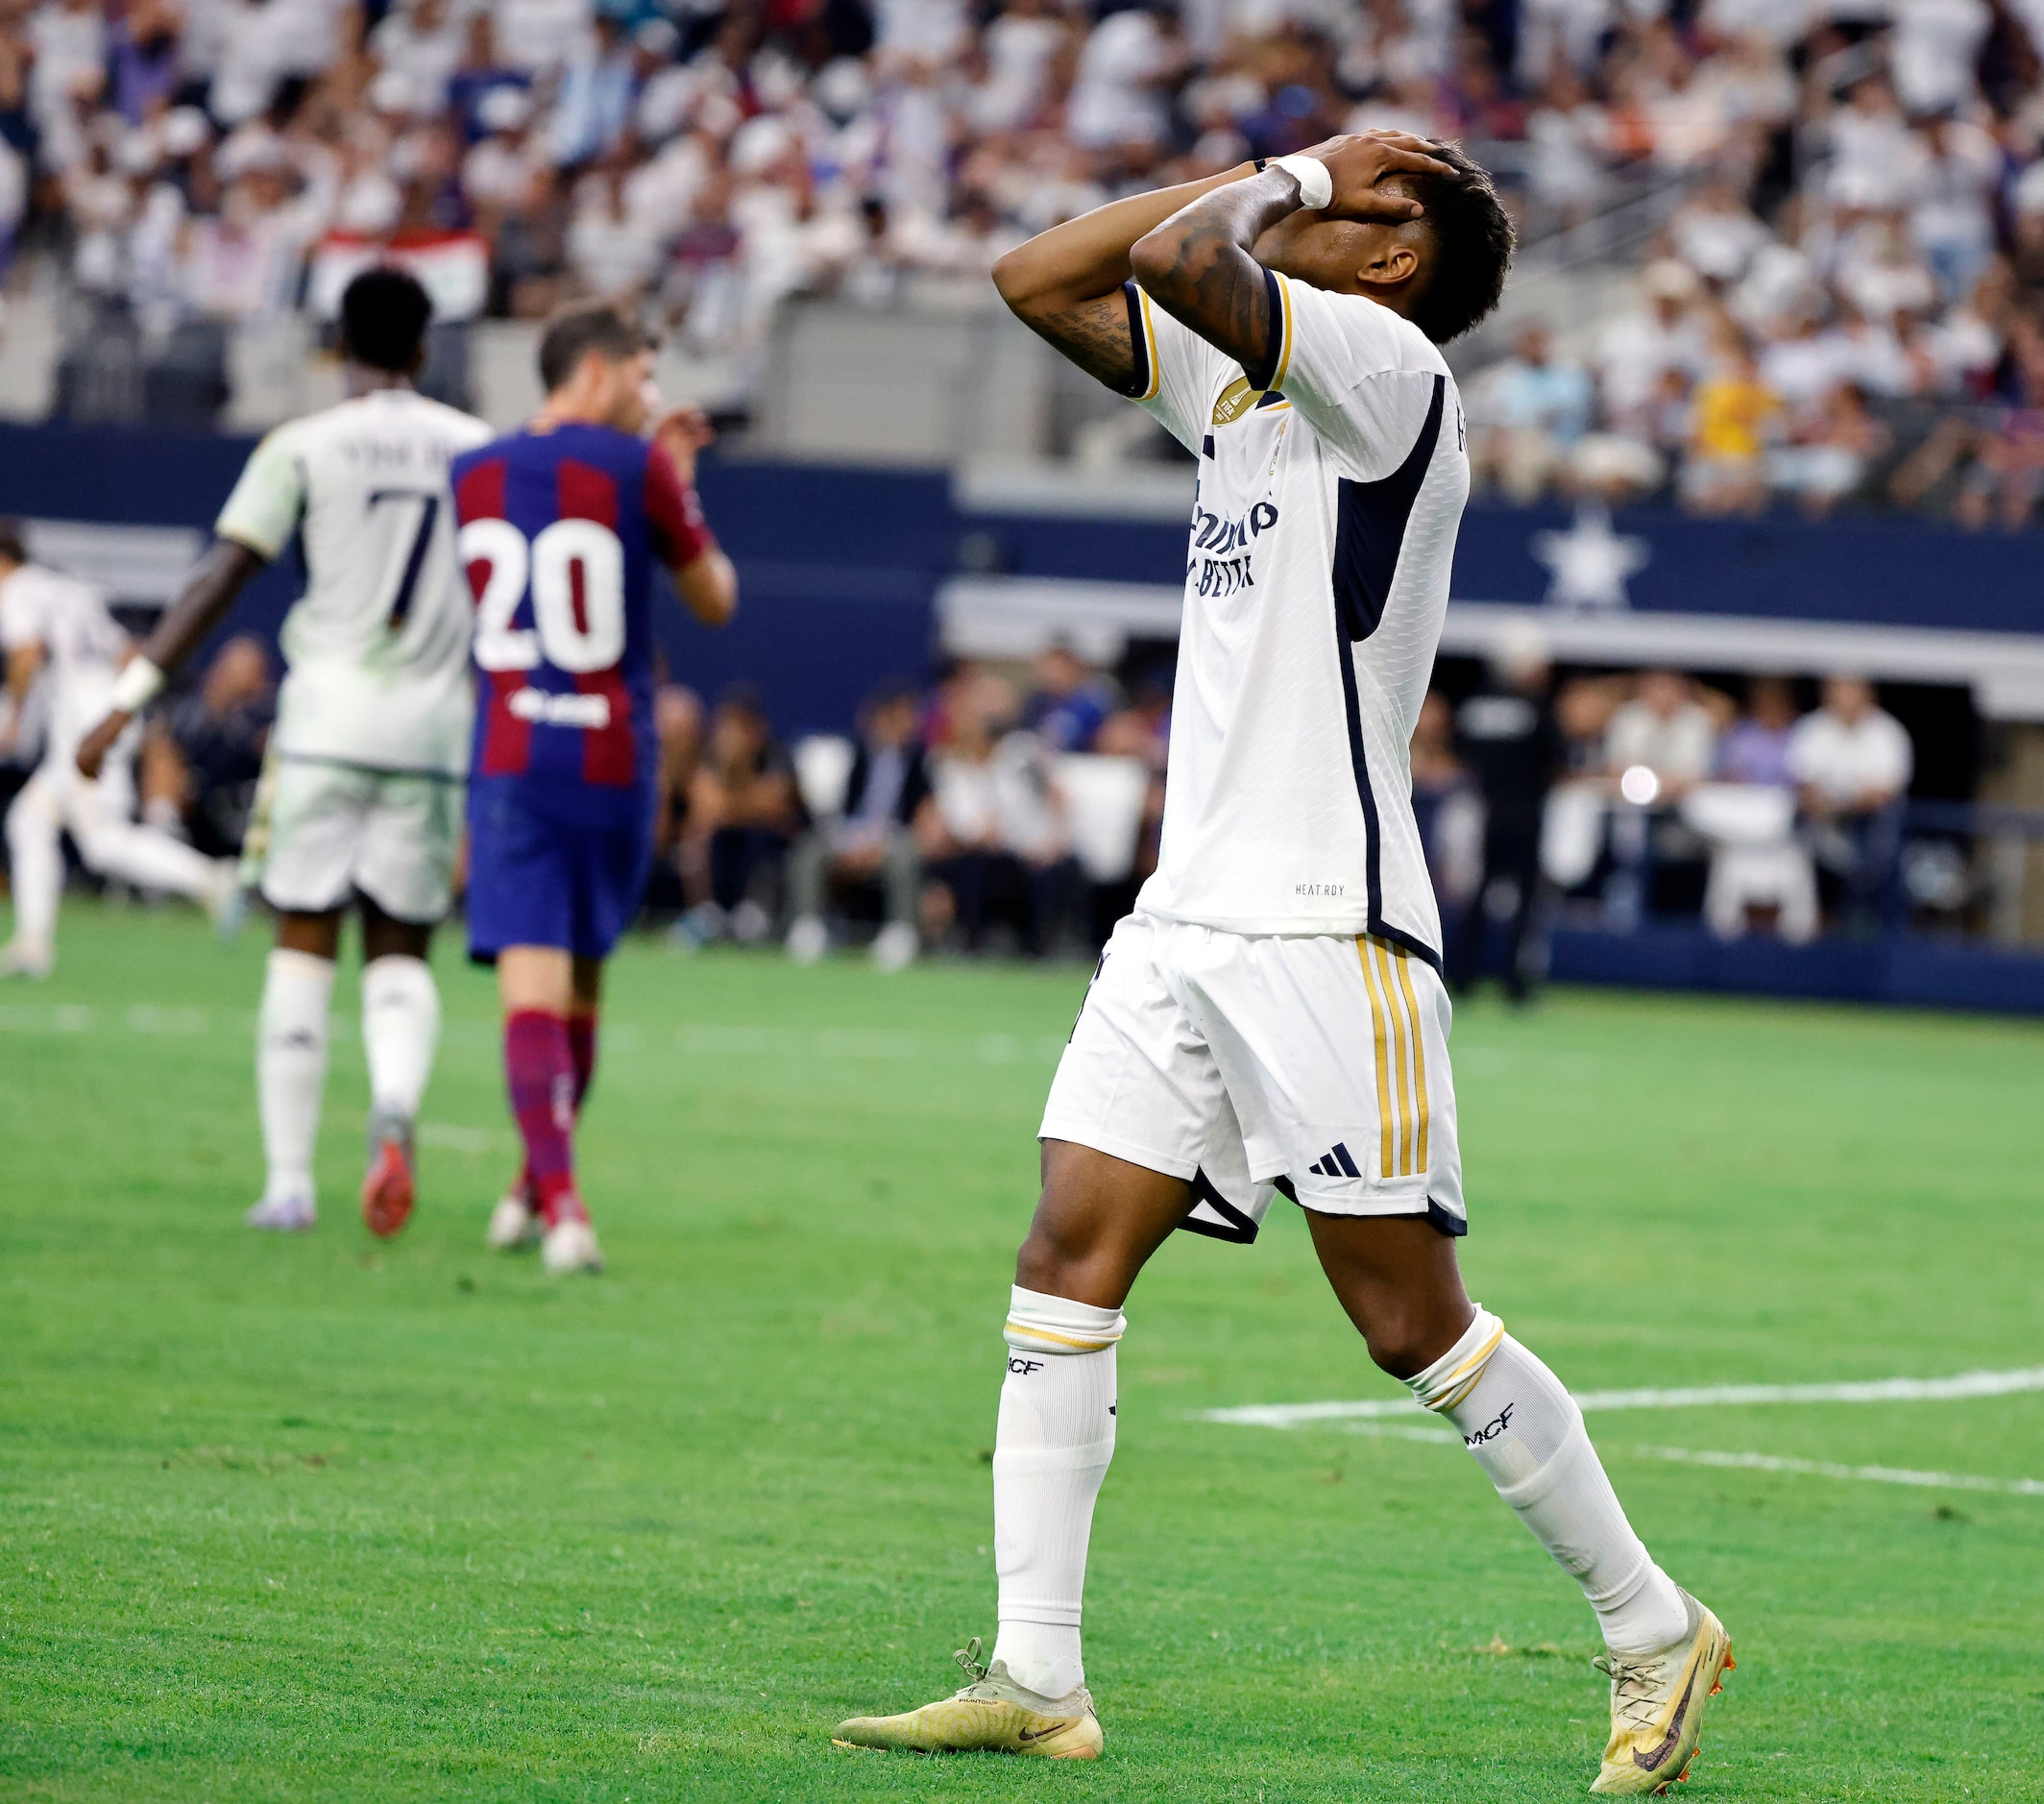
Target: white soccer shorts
{"points": [[1249, 1064], [323, 832]]}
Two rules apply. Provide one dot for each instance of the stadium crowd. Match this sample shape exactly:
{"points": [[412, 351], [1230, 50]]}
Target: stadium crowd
{"points": [[953, 819], [1844, 301]]}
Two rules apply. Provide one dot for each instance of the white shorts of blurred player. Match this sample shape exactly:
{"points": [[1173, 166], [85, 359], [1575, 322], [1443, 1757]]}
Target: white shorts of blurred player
{"points": [[323, 832], [1253, 1064]]}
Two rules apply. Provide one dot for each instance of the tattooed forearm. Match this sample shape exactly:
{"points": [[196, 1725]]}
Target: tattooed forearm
{"points": [[1197, 266], [1065, 283], [1094, 334]]}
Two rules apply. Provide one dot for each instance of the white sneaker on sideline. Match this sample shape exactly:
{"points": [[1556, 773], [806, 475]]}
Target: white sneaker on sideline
{"points": [[18, 958], [284, 1214], [750, 923], [895, 946], [570, 1246], [808, 939], [513, 1224]]}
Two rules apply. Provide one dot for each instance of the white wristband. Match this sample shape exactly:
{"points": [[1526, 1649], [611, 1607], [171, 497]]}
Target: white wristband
{"points": [[138, 684], [1316, 186]]}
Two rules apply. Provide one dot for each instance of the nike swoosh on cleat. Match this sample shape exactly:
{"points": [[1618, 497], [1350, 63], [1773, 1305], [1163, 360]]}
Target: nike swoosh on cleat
{"points": [[1037, 1735], [1647, 1762]]}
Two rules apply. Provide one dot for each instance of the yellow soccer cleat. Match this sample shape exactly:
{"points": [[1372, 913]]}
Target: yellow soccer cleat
{"points": [[993, 1715], [1657, 1703]]}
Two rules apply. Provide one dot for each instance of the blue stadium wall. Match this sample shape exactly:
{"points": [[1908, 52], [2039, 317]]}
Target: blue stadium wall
{"points": [[840, 567]]}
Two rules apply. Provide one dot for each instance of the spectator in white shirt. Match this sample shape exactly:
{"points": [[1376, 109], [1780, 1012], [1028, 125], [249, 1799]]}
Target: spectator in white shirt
{"points": [[418, 49], [993, 832], [1852, 761], [1932, 50], [1663, 729], [1851, 757], [1636, 350], [1715, 233]]}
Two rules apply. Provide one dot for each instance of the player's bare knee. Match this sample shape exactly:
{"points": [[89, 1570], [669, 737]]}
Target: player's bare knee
{"points": [[1399, 1344], [317, 936], [385, 935], [1054, 1259], [1406, 1332]]}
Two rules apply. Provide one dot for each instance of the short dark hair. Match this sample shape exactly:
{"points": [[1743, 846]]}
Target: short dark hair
{"points": [[384, 314], [575, 332], [1474, 241]]}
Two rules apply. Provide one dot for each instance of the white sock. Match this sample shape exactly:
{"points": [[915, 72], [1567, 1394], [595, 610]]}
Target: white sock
{"points": [[1528, 1436], [291, 1066], [401, 1027], [35, 856], [1051, 1451], [164, 814]]}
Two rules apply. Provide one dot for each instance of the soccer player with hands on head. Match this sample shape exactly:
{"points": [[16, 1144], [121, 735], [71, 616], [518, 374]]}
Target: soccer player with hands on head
{"points": [[359, 805], [1271, 1019], [562, 526]]}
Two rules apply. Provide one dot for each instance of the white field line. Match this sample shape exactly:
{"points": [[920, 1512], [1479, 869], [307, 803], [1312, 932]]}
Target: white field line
{"points": [[1965, 1385], [1760, 1462], [1828, 1469], [693, 1038]]}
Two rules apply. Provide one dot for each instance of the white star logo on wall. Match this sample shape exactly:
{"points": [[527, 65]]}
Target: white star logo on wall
{"points": [[1590, 563]]}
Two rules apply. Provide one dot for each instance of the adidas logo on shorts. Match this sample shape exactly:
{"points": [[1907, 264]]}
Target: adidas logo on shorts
{"points": [[1335, 1165]]}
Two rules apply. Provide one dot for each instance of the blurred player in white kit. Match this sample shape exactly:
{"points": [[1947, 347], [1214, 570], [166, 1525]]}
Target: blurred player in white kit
{"points": [[57, 631], [360, 805]]}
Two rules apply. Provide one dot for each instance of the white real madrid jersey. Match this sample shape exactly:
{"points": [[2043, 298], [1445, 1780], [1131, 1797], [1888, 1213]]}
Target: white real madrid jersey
{"points": [[378, 644], [82, 643], [1316, 579]]}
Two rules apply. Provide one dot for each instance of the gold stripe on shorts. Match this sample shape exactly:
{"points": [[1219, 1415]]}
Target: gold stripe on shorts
{"points": [[1419, 1054], [1378, 1014], [1402, 1034]]}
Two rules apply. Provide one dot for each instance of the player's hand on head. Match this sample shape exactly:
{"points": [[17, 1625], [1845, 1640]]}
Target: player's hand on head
{"points": [[1360, 162]]}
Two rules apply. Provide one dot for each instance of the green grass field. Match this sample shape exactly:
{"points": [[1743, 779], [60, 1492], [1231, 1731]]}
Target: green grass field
{"points": [[323, 1519]]}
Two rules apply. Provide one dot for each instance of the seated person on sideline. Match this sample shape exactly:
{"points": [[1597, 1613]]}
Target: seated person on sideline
{"points": [[1070, 703], [1143, 730], [742, 811], [676, 883], [1755, 747], [1658, 747], [873, 840], [993, 831], [200, 768], [1852, 761], [1666, 729]]}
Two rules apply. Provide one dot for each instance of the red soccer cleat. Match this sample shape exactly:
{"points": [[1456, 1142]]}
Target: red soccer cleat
{"points": [[390, 1187]]}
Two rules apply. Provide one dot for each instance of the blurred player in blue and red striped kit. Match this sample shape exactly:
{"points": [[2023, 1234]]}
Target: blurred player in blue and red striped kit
{"points": [[562, 525]]}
